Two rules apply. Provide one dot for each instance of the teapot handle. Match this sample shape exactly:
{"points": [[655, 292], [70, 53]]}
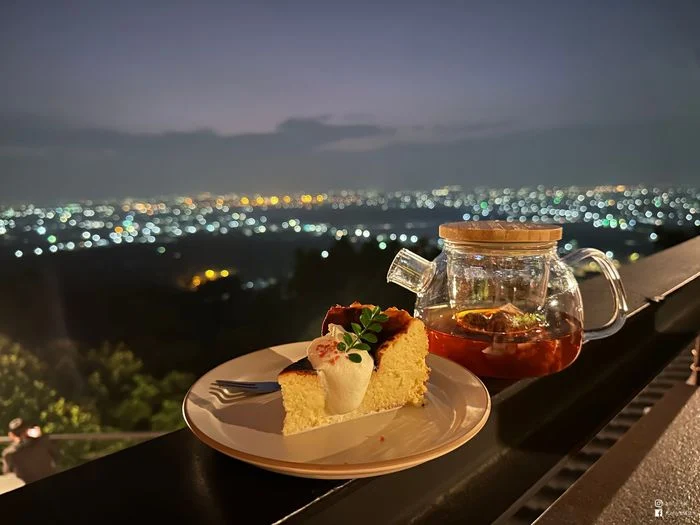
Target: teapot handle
{"points": [[618, 292]]}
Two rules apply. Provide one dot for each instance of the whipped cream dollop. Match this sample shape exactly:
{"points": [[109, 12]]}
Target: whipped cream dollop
{"points": [[344, 381]]}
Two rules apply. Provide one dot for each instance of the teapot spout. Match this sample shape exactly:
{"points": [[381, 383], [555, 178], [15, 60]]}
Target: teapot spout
{"points": [[411, 271]]}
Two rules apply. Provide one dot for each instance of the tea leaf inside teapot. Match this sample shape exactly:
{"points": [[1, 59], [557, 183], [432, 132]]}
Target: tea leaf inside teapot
{"points": [[507, 318]]}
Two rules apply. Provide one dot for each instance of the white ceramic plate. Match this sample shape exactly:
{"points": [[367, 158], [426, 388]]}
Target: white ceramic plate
{"points": [[249, 429]]}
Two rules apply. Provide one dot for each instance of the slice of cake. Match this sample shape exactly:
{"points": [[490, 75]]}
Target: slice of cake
{"points": [[365, 361]]}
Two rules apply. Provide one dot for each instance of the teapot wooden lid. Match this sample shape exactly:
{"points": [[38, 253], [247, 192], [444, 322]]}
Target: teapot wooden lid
{"points": [[499, 231]]}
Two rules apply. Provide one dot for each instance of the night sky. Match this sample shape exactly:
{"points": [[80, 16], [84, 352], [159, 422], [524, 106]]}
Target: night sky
{"points": [[103, 99]]}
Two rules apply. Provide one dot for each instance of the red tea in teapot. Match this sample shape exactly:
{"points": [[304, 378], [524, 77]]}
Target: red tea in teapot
{"points": [[504, 342]]}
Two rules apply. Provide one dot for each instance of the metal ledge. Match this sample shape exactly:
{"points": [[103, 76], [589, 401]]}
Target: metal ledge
{"points": [[654, 466]]}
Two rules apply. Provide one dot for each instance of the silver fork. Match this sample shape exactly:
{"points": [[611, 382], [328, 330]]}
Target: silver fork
{"points": [[248, 387], [227, 397]]}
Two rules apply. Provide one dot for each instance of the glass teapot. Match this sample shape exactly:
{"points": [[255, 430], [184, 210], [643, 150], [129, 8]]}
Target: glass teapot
{"points": [[499, 300]]}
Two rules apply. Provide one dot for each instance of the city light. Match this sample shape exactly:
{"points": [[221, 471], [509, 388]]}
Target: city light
{"points": [[87, 225]]}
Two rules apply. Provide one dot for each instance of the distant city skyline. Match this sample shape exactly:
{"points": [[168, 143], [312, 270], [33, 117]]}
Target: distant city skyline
{"points": [[404, 216], [116, 99]]}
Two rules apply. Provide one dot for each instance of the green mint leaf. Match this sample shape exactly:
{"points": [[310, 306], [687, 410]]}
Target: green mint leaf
{"points": [[355, 358], [365, 319], [356, 328], [375, 327], [341, 347], [369, 337], [348, 339], [381, 318], [362, 346], [367, 312], [377, 310]]}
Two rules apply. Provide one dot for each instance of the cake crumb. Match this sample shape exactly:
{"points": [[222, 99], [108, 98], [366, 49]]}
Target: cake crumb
{"points": [[381, 439]]}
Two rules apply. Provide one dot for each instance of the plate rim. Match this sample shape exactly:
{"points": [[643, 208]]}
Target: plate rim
{"points": [[388, 465]]}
